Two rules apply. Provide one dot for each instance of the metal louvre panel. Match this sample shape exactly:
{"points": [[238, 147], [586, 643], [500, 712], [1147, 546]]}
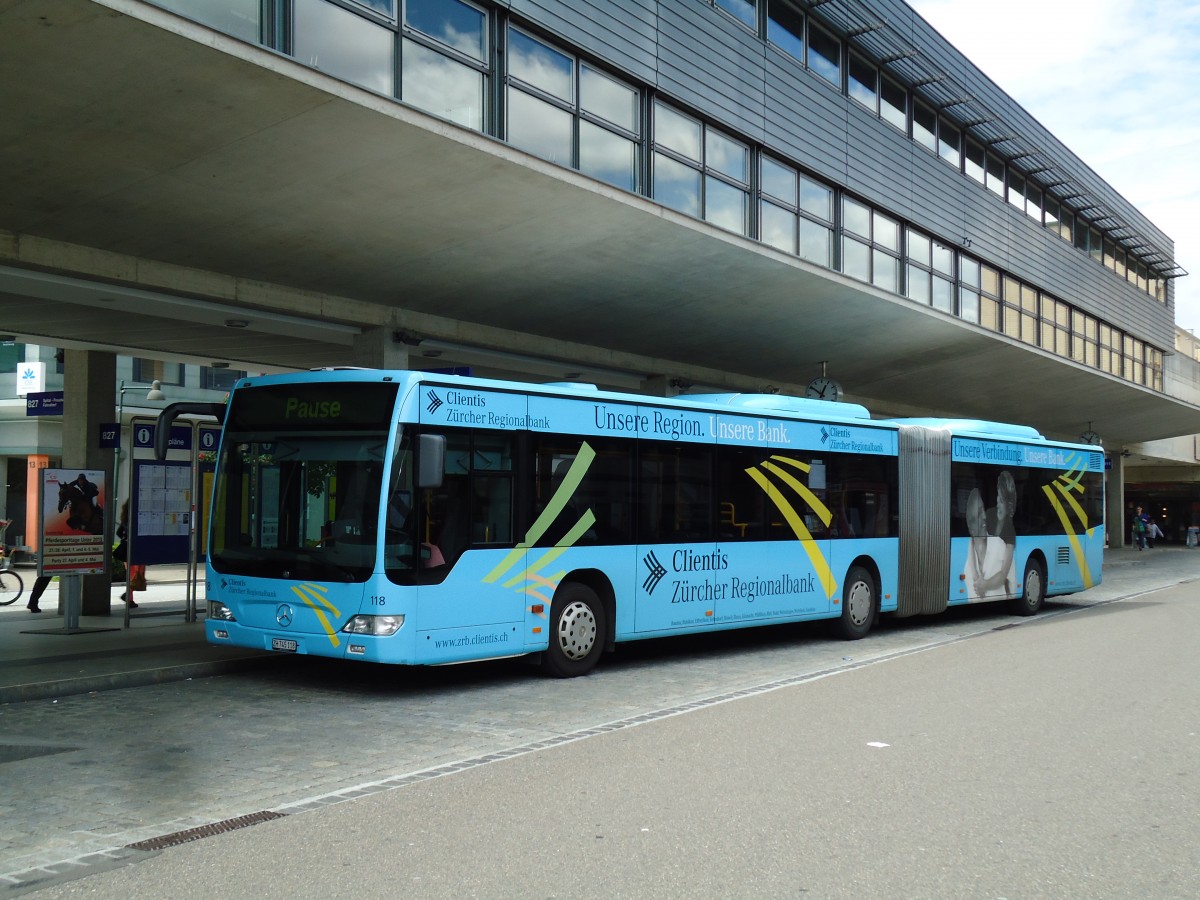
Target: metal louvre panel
{"points": [[924, 583]]}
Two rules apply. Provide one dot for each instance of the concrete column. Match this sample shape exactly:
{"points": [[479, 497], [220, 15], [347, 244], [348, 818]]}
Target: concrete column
{"points": [[661, 386], [1114, 501], [89, 400], [377, 349]]}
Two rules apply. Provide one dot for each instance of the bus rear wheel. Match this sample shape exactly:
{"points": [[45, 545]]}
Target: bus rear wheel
{"points": [[1033, 590], [577, 631], [859, 604]]}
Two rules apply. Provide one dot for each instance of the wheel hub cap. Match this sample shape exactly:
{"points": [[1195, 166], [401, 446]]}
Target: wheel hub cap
{"points": [[577, 631]]}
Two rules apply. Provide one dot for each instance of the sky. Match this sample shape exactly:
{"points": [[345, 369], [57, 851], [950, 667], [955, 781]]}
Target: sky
{"points": [[1118, 82]]}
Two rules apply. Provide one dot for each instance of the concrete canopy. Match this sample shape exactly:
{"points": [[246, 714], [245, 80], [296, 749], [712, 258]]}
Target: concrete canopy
{"points": [[163, 180]]}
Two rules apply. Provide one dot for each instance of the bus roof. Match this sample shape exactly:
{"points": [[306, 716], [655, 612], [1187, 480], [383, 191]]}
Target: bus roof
{"points": [[804, 406], [975, 427]]}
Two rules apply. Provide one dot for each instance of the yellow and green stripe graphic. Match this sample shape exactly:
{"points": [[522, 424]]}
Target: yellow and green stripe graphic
{"points": [[313, 596], [1064, 493], [531, 580], [783, 468]]}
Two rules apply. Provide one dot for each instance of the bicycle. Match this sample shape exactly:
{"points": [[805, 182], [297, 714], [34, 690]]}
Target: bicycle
{"points": [[11, 585]]}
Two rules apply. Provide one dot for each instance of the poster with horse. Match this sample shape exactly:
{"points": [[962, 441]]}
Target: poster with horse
{"points": [[72, 504]]}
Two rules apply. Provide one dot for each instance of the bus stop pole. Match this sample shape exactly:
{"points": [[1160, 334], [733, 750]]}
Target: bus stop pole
{"points": [[70, 591]]}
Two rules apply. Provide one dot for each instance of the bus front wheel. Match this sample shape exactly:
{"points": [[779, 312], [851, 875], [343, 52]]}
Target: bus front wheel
{"points": [[577, 631], [859, 603], [1033, 590]]}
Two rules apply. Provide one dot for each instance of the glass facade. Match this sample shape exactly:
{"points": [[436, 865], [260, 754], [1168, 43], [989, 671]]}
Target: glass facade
{"points": [[700, 171], [474, 65]]}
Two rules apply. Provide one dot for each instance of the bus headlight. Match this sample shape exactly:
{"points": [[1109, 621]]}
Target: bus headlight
{"points": [[380, 626], [218, 611]]}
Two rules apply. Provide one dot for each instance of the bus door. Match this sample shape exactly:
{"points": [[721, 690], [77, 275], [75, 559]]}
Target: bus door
{"points": [[470, 573], [679, 576]]}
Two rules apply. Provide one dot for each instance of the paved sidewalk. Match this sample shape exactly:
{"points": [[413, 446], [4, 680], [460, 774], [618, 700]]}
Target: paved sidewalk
{"points": [[160, 646], [38, 659]]}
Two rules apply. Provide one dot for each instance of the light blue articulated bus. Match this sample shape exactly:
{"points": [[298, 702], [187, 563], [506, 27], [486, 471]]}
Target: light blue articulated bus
{"points": [[412, 518]]}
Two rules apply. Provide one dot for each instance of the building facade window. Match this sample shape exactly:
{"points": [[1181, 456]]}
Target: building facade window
{"points": [[870, 245], [975, 161], [540, 97], [1154, 366], [796, 212], [924, 126], [1056, 326], [778, 206], [969, 274], [610, 114], [1016, 190], [1051, 214], [1034, 202], [995, 174], [785, 29], [218, 379], [240, 18], [745, 11], [950, 143], [445, 60], [893, 104], [12, 354], [149, 370], [700, 171], [862, 83], [572, 113], [918, 276], [1084, 338], [1020, 313], [344, 44], [825, 55], [991, 304]]}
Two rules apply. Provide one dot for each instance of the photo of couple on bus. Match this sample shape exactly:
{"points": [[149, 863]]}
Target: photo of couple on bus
{"points": [[991, 570]]}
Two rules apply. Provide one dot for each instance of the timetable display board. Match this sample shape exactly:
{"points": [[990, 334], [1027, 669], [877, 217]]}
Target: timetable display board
{"points": [[161, 511]]}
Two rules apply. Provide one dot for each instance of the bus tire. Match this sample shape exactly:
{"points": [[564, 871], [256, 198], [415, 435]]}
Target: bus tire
{"points": [[860, 602], [1033, 590], [577, 631]]}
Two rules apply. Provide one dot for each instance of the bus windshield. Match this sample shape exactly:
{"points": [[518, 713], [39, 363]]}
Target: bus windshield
{"points": [[296, 501]]}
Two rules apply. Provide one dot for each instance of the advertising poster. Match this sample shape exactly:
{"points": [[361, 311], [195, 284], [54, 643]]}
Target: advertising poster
{"points": [[73, 502]]}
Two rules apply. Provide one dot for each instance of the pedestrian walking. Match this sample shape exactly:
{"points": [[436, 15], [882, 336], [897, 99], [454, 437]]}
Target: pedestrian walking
{"points": [[1141, 524]]}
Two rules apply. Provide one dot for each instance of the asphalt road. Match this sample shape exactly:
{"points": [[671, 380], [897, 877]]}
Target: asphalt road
{"points": [[1056, 759]]}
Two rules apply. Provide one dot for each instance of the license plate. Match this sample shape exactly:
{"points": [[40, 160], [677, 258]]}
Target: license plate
{"points": [[283, 644]]}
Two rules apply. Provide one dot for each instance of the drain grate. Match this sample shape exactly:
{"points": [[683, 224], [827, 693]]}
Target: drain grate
{"points": [[195, 834]]}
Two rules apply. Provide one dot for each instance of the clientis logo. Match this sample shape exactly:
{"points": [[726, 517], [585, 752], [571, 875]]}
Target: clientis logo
{"points": [[681, 561], [435, 401], [656, 573]]}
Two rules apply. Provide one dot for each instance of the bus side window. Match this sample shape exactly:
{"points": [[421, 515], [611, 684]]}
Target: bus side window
{"points": [[473, 506], [675, 493], [740, 495], [491, 522], [600, 508]]}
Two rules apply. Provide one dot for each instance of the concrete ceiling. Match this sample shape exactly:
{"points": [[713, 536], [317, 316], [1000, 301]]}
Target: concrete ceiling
{"points": [[161, 181]]}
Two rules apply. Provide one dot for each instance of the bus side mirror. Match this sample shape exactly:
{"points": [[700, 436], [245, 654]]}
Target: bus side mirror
{"points": [[432, 454]]}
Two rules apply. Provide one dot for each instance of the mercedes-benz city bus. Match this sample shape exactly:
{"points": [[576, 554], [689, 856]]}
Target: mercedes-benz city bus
{"points": [[406, 517]]}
